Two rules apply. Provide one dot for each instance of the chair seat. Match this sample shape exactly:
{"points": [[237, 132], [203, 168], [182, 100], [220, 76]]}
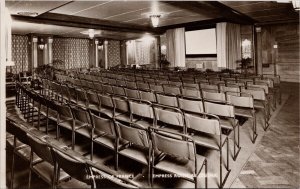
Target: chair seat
{"points": [[124, 117], [94, 107], [136, 153], [24, 153], [143, 122], [258, 104], [182, 167], [69, 124], [73, 183], [107, 112], [106, 141], [228, 123], [46, 171], [243, 112], [208, 140], [85, 131]]}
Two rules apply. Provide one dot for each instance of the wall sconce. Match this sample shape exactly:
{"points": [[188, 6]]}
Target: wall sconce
{"points": [[296, 4], [41, 44], [100, 47]]}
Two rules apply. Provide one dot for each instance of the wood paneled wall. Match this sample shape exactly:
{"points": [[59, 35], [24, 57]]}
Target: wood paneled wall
{"points": [[286, 55]]}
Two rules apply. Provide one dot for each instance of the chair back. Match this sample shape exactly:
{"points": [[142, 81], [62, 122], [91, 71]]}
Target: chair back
{"points": [[40, 148], [119, 91], [148, 96], [121, 104], [202, 124], [241, 101], [224, 110], [141, 108], [132, 93], [101, 125], [135, 134], [190, 105], [167, 100], [75, 167], [172, 116], [173, 144]]}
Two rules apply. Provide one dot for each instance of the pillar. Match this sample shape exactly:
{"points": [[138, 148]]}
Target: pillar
{"points": [[105, 54], [50, 50], [258, 50], [96, 53], [2, 97], [34, 53]]}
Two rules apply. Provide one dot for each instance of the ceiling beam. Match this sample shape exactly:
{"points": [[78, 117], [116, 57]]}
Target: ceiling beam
{"points": [[213, 9], [82, 22], [232, 14]]}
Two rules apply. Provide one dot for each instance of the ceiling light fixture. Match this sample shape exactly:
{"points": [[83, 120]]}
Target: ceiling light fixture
{"points": [[41, 44], [91, 33], [155, 19], [27, 13]]}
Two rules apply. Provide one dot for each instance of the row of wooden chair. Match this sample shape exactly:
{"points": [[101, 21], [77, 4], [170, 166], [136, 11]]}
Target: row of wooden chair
{"points": [[54, 162]]}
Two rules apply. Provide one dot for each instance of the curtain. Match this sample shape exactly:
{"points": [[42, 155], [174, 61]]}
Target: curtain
{"points": [[176, 47], [228, 45], [233, 37], [131, 52], [221, 45], [143, 52]]}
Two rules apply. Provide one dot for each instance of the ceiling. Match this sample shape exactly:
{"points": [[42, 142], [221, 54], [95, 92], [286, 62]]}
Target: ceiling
{"points": [[128, 19]]}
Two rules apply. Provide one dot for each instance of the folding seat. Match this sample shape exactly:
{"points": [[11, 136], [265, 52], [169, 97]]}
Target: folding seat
{"points": [[76, 167], [104, 134], [244, 107], [121, 110], [140, 148], [139, 79], [131, 85], [162, 82], [193, 105], [66, 97], [268, 85], [64, 118], [112, 82], [45, 168], [276, 84], [190, 92], [73, 95], [132, 93], [208, 87], [214, 96], [81, 98], [148, 96], [172, 90], [107, 89], [179, 156], [206, 131], [234, 90], [201, 80], [167, 100], [98, 87], [143, 86], [141, 112], [149, 80], [90, 85], [119, 91], [191, 85], [260, 102], [228, 121], [121, 83], [156, 88], [107, 105], [175, 83], [81, 123], [104, 80], [169, 118], [187, 79]]}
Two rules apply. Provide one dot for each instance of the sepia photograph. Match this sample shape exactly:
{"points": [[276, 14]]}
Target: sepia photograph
{"points": [[149, 94]]}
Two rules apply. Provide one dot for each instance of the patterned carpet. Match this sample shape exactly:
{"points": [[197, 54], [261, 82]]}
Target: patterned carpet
{"points": [[275, 162]]}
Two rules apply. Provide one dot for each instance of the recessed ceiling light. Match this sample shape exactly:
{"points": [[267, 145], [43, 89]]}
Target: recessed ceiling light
{"points": [[26, 13]]}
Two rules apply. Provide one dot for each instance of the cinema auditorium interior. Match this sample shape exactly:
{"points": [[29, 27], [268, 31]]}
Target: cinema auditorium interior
{"points": [[149, 94]]}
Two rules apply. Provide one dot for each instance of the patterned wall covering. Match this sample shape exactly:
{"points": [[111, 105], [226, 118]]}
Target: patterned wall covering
{"points": [[73, 52], [20, 53], [113, 53]]}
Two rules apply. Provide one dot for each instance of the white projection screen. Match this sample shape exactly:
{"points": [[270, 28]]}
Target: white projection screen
{"points": [[201, 42]]}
